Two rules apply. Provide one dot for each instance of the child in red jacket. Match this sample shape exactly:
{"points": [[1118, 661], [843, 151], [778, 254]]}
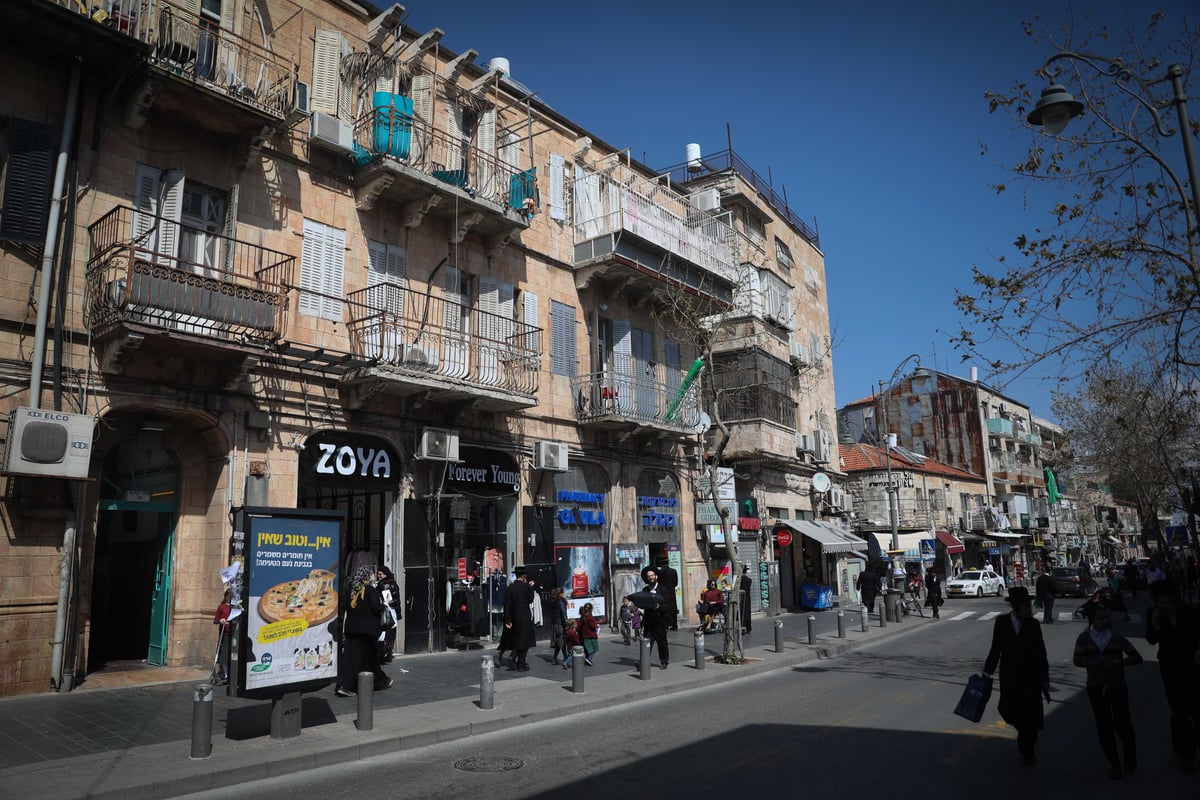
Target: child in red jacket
{"points": [[571, 640]]}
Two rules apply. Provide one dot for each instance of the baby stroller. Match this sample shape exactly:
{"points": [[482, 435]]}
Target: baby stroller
{"points": [[219, 676]]}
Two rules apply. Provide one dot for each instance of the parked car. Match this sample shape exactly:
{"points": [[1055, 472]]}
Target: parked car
{"points": [[975, 583], [1072, 581]]}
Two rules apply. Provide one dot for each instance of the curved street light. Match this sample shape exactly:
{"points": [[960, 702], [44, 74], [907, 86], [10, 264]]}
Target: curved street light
{"points": [[1057, 107], [893, 490]]}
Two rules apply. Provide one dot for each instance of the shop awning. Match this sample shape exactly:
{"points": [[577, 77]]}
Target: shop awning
{"points": [[1004, 535], [953, 543], [831, 538], [910, 543]]}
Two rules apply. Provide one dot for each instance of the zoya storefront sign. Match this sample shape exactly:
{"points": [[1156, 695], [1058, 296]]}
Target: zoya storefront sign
{"points": [[341, 459]]}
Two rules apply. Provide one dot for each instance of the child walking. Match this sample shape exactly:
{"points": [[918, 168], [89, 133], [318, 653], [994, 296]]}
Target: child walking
{"points": [[589, 633], [626, 618], [570, 642]]}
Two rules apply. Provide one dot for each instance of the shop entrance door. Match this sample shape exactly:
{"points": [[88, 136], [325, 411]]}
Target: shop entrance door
{"points": [[131, 584]]}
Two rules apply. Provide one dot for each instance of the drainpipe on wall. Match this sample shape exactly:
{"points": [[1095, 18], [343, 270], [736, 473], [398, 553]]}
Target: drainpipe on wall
{"points": [[39, 361]]}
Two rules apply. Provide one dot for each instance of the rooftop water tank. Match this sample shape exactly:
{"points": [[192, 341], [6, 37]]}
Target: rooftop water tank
{"points": [[500, 64], [692, 157]]}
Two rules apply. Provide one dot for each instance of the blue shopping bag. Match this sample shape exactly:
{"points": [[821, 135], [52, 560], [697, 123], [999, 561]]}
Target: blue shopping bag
{"points": [[974, 698]]}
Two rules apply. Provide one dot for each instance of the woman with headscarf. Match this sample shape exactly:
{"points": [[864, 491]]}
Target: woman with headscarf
{"points": [[361, 632]]}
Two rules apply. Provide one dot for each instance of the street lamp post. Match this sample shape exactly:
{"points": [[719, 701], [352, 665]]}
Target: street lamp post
{"points": [[1057, 107], [893, 490]]}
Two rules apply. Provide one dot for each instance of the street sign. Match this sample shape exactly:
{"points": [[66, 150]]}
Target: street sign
{"points": [[927, 549], [784, 537]]}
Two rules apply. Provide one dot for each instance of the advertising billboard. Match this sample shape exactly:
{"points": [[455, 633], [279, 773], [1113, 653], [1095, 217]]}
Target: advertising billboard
{"points": [[580, 570], [289, 642]]}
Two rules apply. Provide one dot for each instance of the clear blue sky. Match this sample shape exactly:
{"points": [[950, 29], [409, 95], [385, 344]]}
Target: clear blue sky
{"points": [[870, 114]]}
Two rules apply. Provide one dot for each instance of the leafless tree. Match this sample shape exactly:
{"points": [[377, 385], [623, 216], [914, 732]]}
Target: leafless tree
{"points": [[1114, 269]]}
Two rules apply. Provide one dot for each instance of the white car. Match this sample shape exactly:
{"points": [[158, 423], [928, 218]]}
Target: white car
{"points": [[975, 583]]}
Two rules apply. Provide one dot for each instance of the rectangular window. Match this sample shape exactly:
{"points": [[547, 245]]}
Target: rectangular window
{"points": [[783, 255], [27, 181], [322, 271], [562, 339]]}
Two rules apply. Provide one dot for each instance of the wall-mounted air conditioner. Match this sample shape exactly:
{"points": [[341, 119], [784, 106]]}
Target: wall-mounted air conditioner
{"points": [[550, 456], [803, 443], [419, 356], [49, 443], [437, 444], [820, 444], [707, 200], [331, 133]]}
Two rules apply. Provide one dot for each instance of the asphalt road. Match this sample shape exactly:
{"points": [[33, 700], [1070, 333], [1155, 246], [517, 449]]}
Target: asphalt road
{"points": [[871, 723]]}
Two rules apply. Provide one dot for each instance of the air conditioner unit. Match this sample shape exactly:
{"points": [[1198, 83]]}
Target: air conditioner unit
{"points": [[49, 443], [437, 444], [419, 356], [993, 442], [803, 443], [550, 456], [820, 444], [331, 133], [707, 200], [1003, 408], [799, 353]]}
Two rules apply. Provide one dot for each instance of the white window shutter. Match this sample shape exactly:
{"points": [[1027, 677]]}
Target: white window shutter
{"points": [[334, 275], [489, 304], [422, 96], [170, 211], [145, 206], [531, 318], [558, 200], [227, 51], [312, 258], [327, 54], [322, 266], [485, 142], [562, 338], [504, 306], [346, 89], [452, 310], [454, 136], [230, 228], [510, 150], [622, 366]]}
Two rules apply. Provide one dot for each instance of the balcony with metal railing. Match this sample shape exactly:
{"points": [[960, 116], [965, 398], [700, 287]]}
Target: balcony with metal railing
{"points": [[999, 426], [404, 159], [729, 160], [151, 277], [415, 342], [197, 70], [639, 227], [652, 401]]}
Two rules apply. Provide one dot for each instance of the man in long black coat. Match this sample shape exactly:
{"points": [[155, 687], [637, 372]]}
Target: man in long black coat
{"points": [[655, 618], [518, 619], [1018, 647], [868, 585], [1044, 587], [668, 579]]}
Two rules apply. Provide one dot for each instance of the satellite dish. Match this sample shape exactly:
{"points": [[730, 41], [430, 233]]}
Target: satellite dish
{"points": [[820, 482], [703, 423]]}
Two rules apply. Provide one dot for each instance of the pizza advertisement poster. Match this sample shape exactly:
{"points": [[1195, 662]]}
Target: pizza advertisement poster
{"points": [[292, 573]]}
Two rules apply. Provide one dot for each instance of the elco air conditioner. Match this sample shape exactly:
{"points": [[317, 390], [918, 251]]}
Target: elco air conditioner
{"points": [[550, 456], [49, 443], [437, 444], [418, 356], [331, 133], [798, 352]]}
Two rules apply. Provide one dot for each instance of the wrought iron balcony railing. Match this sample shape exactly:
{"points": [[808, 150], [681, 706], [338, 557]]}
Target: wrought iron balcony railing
{"points": [[757, 402], [650, 397], [393, 132], [196, 48], [422, 334], [150, 270]]}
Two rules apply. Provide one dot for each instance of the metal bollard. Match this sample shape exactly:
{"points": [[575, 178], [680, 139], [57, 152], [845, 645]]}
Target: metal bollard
{"points": [[864, 618], [883, 615], [366, 701], [778, 636], [698, 643], [812, 629], [202, 710], [644, 659], [577, 666], [487, 683], [841, 624]]}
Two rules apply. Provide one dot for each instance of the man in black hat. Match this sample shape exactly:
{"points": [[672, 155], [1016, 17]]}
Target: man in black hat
{"points": [[1018, 647], [655, 617], [518, 619], [668, 579]]}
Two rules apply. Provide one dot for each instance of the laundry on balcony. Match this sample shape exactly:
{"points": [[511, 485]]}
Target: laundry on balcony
{"points": [[391, 128], [454, 177], [522, 190]]}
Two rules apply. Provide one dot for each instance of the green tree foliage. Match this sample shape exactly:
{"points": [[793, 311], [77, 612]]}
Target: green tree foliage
{"points": [[1113, 269]]}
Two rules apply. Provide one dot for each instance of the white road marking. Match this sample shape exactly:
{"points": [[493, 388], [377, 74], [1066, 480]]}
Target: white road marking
{"points": [[963, 615], [990, 615]]}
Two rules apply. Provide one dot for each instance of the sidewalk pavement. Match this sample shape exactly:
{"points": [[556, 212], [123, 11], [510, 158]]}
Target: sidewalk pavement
{"points": [[136, 742]]}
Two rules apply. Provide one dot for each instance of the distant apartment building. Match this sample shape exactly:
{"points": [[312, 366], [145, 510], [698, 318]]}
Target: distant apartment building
{"points": [[301, 256]]}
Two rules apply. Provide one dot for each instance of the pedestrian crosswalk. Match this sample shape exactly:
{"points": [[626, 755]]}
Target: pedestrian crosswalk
{"points": [[1061, 616]]}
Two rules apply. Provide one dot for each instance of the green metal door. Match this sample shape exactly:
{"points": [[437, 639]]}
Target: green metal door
{"points": [[161, 601]]}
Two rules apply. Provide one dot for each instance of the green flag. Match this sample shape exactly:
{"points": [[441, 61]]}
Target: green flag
{"points": [[1051, 486]]}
